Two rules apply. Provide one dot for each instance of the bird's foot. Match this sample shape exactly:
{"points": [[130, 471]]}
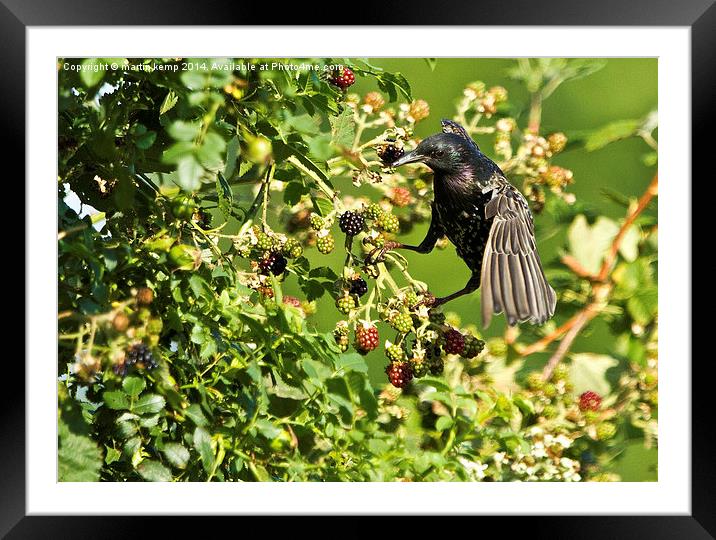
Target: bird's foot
{"points": [[378, 254]]}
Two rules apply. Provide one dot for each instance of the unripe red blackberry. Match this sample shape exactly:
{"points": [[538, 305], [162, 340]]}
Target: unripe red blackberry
{"points": [[358, 286], [291, 301], [345, 304], [342, 77], [292, 248], [389, 154], [402, 322], [473, 346], [273, 263], [145, 296], [367, 338], [120, 322], [399, 374], [394, 353], [401, 197], [351, 223], [266, 291], [325, 244], [589, 401]]}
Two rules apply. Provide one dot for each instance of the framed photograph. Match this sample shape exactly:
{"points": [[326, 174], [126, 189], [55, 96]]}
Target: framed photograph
{"points": [[342, 270]]}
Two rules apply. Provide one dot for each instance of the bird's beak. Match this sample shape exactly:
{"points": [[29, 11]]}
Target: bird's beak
{"points": [[410, 157]]}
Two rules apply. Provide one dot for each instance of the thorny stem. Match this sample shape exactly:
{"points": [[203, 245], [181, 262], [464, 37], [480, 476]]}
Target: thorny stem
{"points": [[600, 292], [535, 117]]}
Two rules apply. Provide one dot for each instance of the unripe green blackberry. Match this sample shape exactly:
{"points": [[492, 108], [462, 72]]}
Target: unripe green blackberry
{"points": [[394, 353], [264, 242], [325, 244], [549, 390], [402, 322], [436, 317], [473, 346], [591, 417], [411, 298], [535, 381], [292, 248], [345, 304], [606, 430], [340, 334], [436, 365], [550, 411], [497, 346], [155, 325], [374, 211], [351, 223], [419, 366], [317, 222], [560, 373], [388, 222]]}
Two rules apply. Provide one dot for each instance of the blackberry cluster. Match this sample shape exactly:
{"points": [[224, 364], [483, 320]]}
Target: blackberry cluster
{"points": [[399, 374], [273, 263], [264, 242], [351, 223], [358, 287], [138, 355], [292, 248], [390, 153]]}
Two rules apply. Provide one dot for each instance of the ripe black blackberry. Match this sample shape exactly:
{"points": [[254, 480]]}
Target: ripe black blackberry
{"points": [[273, 263], [140, 355], [351, 223], [358, 287], [389, 154], [454, 341]]}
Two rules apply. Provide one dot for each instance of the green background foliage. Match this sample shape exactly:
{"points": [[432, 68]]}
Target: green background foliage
{"points": [[248, 388]]}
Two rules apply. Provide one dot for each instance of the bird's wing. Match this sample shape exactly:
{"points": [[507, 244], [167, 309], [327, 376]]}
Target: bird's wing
{"points": [[512, 278], [453, 127]]}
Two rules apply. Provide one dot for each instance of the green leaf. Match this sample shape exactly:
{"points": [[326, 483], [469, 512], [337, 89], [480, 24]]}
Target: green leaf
{"points": [[322, 206], [153, 471], [202, 444], [189, 173], [629, 248], [588, 371], [351, 362], [589, 244], [343, 128], [146, 140], [149, 404], [92, 73], [643, 305], [79, 459], [176, 454], [225, 194], [614, 131], [133, 385], [169, 101], [443, 423], [182, 130], [432, 63], [116, 400], [194, 413], [233, 149]]}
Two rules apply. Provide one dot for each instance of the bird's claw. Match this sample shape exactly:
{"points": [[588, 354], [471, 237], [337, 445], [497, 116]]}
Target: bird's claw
{"points": [[378, 254]]}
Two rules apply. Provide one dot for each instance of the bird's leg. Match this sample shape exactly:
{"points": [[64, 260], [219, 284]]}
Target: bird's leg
{"points": [[472, 284], [426, 246]]}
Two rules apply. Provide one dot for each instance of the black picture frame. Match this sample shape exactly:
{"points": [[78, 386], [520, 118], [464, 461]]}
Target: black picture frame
{"points": [[699, 15]]}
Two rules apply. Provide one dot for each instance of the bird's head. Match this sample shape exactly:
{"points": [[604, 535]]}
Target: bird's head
{"points": [[443, 152]]}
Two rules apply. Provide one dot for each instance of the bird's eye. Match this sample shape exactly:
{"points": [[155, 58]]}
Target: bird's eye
{"points": [[439, 153]]}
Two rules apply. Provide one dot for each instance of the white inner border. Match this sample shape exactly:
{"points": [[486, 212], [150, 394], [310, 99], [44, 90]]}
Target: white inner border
{"points": [[670, 495]]}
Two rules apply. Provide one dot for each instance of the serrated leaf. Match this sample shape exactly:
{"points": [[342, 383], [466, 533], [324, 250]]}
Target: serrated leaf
{"points": [[153, 471], [588, 244], [202, 444], [194, 413], [149, 404], [79, 459], [322, 206], [189, 172], [643, 305], [133, 385], [116, 400], [233, 150], [351, 362], [343, 128], [181, 130], [169, 101], [612, 132], [176, 454], [443, 423]]}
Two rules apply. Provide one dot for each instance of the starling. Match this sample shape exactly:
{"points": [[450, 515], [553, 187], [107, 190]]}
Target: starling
{"points": [[490, 224]]}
